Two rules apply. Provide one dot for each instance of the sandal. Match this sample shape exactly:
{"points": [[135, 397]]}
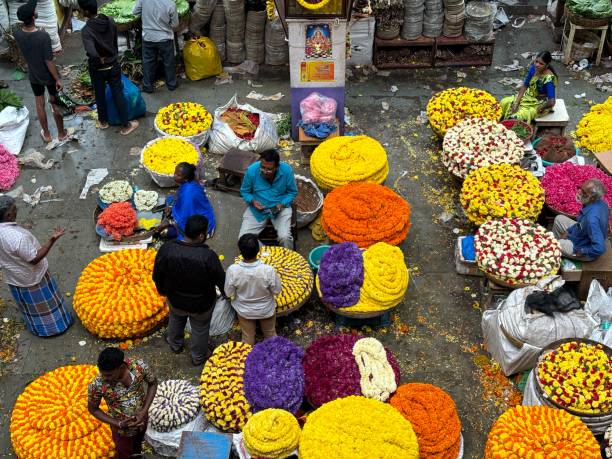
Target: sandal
{"points": [[69, 133], [102, 125], [45, 139], [129, 128]]}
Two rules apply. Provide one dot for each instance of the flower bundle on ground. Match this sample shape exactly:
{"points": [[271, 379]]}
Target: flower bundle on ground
{"points": [[294, 271], [273, 375], [561, 182], [341, 160], [115, 296], [222, 387], [517, 251], [355, 426], [163, 154], [331, 371], [556, 148], [478, 142], [377, 375], [118, 220], [145, 200], [271, 433], [577, 375], [50, 418], [365, 213], [540, 431], [9, 168], [184, 119], [116, 191], [593, 130], [501, 190], [176, 403], [340, 275], [433, 415], [242, 122], [448, 108]]}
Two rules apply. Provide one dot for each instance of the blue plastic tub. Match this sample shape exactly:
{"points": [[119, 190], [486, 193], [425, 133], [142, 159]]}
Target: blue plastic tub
{"points": [[314, 257]]}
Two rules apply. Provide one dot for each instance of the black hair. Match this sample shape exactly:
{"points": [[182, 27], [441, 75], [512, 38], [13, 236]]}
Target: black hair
{"points": [[547, 59], [270, 156], [110, 359], [188, 170], [25, 13], [248, 244], [89, 6], [6, 204], [196, 225]]}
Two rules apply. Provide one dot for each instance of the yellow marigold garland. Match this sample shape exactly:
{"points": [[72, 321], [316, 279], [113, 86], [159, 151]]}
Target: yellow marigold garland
{"points": [[163, 154], [501, 190], [184, 119], [540, 432], [50, 418], [271, 433], [222, 387], [115, 296], [313, 6], [593, 130], [357, 427], [341, 160]]}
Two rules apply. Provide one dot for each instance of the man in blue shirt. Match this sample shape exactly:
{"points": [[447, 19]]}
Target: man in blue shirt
{"points": [[269, 189], [585, 239]]}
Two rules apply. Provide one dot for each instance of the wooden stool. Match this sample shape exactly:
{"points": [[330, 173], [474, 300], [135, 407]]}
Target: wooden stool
{"points": [[232, 169], [568, 41], [308, 144], [558, 118], [269, 237]]}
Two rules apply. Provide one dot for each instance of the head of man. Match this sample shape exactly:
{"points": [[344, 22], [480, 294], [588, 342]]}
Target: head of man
{"points": [[590, 191], [196, 228], [111, 363], [27, 13], [248, 244], [8, 209], [184, 172], [268, 164], [89, 7]]}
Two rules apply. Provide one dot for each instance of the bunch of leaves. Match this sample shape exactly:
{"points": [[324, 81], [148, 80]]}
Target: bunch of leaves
{"points": [[590, 8], [283, 125], [9, 99]]}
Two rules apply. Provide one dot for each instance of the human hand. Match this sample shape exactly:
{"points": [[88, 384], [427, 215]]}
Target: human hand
{"points": [[57, 233], [564, 235], [279, 207], [140, 419], [58, 85], [258, 205]]}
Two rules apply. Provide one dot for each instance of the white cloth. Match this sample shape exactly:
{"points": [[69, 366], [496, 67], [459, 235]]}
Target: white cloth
{"points": [[252, 286], [159, 18], [17, 248]]}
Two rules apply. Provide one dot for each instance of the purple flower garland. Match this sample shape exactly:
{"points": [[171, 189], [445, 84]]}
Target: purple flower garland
{"points": [[341, 275], [273, 375], [331, 371]]}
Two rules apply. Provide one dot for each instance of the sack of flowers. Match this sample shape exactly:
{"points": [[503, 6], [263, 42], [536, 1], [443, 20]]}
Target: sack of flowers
{"points": [[50, 418], [593, 130], [501, 190], [450, 107], [160, 156], [269, 434], [341, 160], [478, 142], [115, 296], [308, 201], [188, 120], [515, 252], [555, 148]]}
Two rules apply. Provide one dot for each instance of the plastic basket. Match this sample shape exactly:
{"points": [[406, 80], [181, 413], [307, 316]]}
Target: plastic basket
{"points": [[314, 257]]}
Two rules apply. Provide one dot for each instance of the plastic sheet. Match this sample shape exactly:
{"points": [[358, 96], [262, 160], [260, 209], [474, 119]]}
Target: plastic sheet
{"points": [[167, 443], [136, 106], [201, 59], [317, 108]]}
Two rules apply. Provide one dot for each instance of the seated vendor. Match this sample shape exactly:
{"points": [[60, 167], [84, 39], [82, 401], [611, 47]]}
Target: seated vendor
{"points": [[585, 239], [537, 95], [269, 189], [190, 199]]}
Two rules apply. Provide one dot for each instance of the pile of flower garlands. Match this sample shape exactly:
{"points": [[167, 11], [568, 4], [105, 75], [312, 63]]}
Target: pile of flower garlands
{"points": [[9, 169], [331, 370], [478, 142], [222, 387], [294, 271], [540, 431], [354, 427], [608, 442], [115, 296], [145, 200], [341, 160], [451, 106], [593, 130], [118, 220], [50, 418], [163, 154], [561, 182], [176, 403], [577, 376], [433, 415], [340, 275], [365, 213], [183, 119], [501, 190], [516, 251], [273, 375], [116, 191], [271, 433]]}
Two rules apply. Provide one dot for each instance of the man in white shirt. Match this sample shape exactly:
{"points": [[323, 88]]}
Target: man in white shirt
{"points": [[24, 265], [159, 19]]}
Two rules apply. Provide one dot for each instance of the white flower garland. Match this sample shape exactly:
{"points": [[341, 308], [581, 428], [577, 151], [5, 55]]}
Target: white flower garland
{"points": [[116, 191], [145, 200], [176, 403], [377, 376]]}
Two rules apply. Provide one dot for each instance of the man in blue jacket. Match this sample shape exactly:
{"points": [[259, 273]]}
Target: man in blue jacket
{"points": [[269, 189], [585, 239]]}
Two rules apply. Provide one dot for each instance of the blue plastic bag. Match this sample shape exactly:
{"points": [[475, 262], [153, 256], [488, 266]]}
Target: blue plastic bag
{"points": [[136, 106]]}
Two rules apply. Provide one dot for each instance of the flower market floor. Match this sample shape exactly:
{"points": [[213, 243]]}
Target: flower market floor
{"points": [[435, 332]]}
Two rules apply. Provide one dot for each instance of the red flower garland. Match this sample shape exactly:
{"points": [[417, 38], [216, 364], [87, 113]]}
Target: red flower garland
{"points": [[118, 219]]}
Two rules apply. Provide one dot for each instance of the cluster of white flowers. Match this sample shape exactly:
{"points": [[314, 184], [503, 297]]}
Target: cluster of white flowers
{"points": [[116, 191], [377, 376], [608, 442], [145, 200], [175, 404]]}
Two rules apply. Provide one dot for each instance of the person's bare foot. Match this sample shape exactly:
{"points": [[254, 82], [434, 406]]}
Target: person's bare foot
{"points": [[102, 125], [46, 137], [132, 125], [67, 133]]}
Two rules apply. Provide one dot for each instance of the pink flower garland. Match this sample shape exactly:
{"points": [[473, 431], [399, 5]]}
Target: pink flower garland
{"points": [[561, 182], [9, 168]]}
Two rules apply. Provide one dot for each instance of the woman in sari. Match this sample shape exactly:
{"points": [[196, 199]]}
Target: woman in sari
{"points": [[537, 95]]}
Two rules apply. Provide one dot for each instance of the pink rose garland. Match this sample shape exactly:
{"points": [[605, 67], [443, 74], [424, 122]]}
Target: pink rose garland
{"points": [[9, 169]]}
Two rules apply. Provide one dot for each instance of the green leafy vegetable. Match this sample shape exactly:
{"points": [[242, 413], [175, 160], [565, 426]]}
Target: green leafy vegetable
{"points": [[121, 10], [9, 99], [591, 8]]}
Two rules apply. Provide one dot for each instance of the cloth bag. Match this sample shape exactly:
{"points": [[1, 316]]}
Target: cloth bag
{"points": [[136, 106], [13, 128], [201, 59]]}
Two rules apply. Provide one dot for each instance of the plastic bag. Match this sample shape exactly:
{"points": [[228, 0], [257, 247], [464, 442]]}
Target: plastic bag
{"points": [[13, 128], [136, 106], [201, 59], [222, 137], [600, 304], [317, 108], [167, 443], [223, 318]]}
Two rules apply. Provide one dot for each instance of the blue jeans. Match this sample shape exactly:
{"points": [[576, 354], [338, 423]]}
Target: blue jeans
{"points": [[150, 52], [112, 76]]}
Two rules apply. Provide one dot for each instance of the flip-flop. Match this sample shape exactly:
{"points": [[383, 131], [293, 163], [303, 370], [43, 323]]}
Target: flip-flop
{"points": [[133, 125], [69, 133], [45, 139], [103, 126]]}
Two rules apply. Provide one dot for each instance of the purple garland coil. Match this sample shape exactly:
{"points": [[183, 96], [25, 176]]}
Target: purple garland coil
{"points": [[341, 275]]}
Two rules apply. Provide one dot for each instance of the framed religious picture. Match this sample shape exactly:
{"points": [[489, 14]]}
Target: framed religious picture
{"points": [[318, 42], [314, 9]]}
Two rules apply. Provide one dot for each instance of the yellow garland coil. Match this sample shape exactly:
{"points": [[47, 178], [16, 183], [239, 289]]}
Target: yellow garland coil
{"points": [[163, 154], [377, 376], [313, 6], [593, 130], [271, 433]]}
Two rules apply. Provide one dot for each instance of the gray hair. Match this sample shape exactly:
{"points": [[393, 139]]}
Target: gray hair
{"points": [[6, 204], [596, 188]]}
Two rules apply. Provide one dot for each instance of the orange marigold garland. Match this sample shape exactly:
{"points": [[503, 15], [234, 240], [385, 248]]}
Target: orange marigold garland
{"points": [[50, 418], [118, 219], [115, 296], [433, 415], [540, 432], [365, 213]]}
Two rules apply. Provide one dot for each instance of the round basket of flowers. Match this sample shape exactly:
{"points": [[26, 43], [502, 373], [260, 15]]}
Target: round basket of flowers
{"points": [[160, 156], [188, 120], [115, 191], [593, 129]]}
